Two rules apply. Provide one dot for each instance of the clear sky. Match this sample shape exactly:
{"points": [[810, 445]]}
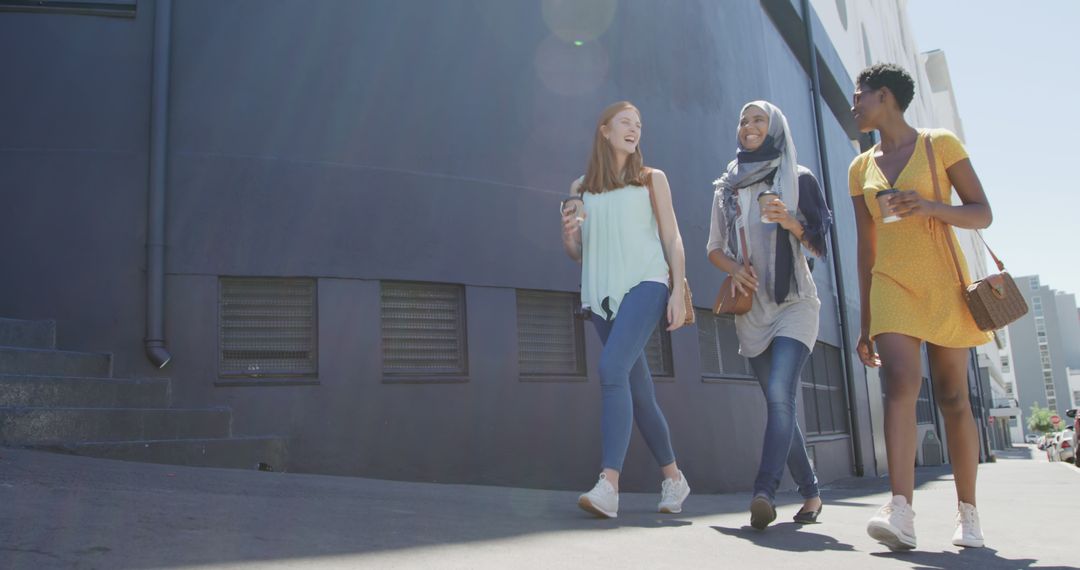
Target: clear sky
{"points": [[1015, 69]]}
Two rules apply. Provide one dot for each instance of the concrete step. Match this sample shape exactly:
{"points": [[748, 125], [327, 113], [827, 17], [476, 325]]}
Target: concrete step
{"points": [[34, 426], [233, 452], [22, 390], [27, 334], [43, 362]]}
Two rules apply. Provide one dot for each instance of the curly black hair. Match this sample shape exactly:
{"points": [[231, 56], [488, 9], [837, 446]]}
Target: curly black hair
{"points": [[890, 75]]}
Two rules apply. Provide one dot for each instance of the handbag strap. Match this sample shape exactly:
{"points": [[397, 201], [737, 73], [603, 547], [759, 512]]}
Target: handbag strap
{"points": [[1000, 265], [656, 216], [742, 231], [937, 195]]}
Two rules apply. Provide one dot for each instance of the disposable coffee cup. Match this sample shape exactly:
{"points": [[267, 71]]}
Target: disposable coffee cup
{"points": [[765, 197], [573, 206], [883, 197]]}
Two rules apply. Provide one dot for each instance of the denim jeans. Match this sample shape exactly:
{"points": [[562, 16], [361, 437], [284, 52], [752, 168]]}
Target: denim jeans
{"points": [[627, 391], [778, 370]]}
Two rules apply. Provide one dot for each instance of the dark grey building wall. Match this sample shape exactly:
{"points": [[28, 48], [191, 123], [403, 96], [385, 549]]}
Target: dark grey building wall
{"points": [[73, 169], [358, 142]]}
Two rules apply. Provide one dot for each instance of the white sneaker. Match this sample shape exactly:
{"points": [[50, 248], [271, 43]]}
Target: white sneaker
{"points": [[602, 501], [672, 494], [894, 524], [968, 530]]}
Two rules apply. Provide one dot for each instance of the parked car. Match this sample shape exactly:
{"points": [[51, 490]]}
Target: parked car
{"points": [[1065, 445], [1032, 438], [1076, 426], [1076, 430], [1050, 446]]}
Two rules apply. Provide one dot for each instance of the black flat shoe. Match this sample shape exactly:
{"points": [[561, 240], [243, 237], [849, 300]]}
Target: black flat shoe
{"points": [[807, 517], [762, 512]]}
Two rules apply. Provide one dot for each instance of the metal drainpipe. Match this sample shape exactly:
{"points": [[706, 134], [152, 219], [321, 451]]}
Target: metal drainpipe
{"points": [[155, 227], [834, 242]]}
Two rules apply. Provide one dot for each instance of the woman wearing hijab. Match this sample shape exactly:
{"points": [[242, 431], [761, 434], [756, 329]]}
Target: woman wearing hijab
{"points": [[780, 330]]}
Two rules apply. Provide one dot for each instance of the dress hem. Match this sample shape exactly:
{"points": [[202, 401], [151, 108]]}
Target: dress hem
{"points": [[874, 335]]}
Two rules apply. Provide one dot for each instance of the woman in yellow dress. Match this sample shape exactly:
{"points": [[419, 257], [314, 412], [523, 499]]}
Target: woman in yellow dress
{"points": [[911, 294]]}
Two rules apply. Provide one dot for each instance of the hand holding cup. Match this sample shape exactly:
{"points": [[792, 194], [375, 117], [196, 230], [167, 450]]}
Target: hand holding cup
{"points": [[907, 203], [573, 214], [773, 210], [886, 205]]}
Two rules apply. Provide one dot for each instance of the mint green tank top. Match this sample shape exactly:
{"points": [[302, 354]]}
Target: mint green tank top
{"points": [[620, 247]]}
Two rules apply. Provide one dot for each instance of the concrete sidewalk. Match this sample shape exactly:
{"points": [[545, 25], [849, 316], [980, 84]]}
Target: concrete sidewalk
{"points": [[70, 512]]}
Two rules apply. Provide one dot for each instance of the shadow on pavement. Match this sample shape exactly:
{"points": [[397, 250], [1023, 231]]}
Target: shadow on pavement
{"points": [[625, 520], [786, 536], [966, 558]]}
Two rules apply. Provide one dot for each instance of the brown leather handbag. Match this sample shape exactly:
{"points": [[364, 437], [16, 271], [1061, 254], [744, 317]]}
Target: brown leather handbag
{"points": [[731, 301], [994, 301], [688, 298]]}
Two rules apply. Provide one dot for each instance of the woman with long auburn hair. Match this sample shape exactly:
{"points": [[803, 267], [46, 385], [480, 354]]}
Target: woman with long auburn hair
{"points": [[628, 243]]}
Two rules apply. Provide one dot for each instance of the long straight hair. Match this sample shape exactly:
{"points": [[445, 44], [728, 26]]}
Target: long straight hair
{"points": [[601, 174]]}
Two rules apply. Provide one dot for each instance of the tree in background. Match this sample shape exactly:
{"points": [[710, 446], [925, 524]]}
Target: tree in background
{"points": [[1039, 420]]}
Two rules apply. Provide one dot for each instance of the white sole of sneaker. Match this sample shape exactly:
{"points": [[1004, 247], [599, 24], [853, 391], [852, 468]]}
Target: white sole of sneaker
{"points": [[890, 536], [670, 510], [588, 506], [969, 543]]}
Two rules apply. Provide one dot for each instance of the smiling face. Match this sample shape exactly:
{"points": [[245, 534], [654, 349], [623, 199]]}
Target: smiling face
{"points": [[753, 128], [623, 131]]}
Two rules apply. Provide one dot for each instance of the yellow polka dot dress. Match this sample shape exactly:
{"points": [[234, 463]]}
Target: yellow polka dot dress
{"points": [[914, 289]]}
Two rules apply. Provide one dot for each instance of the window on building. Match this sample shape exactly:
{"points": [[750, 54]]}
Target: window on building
{"points": [[267, 327], [1076, 398], [1005, 364], [423, 331], [658, 354], [1034, 282], [551, 339], [720, 347], [824, 403]]}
